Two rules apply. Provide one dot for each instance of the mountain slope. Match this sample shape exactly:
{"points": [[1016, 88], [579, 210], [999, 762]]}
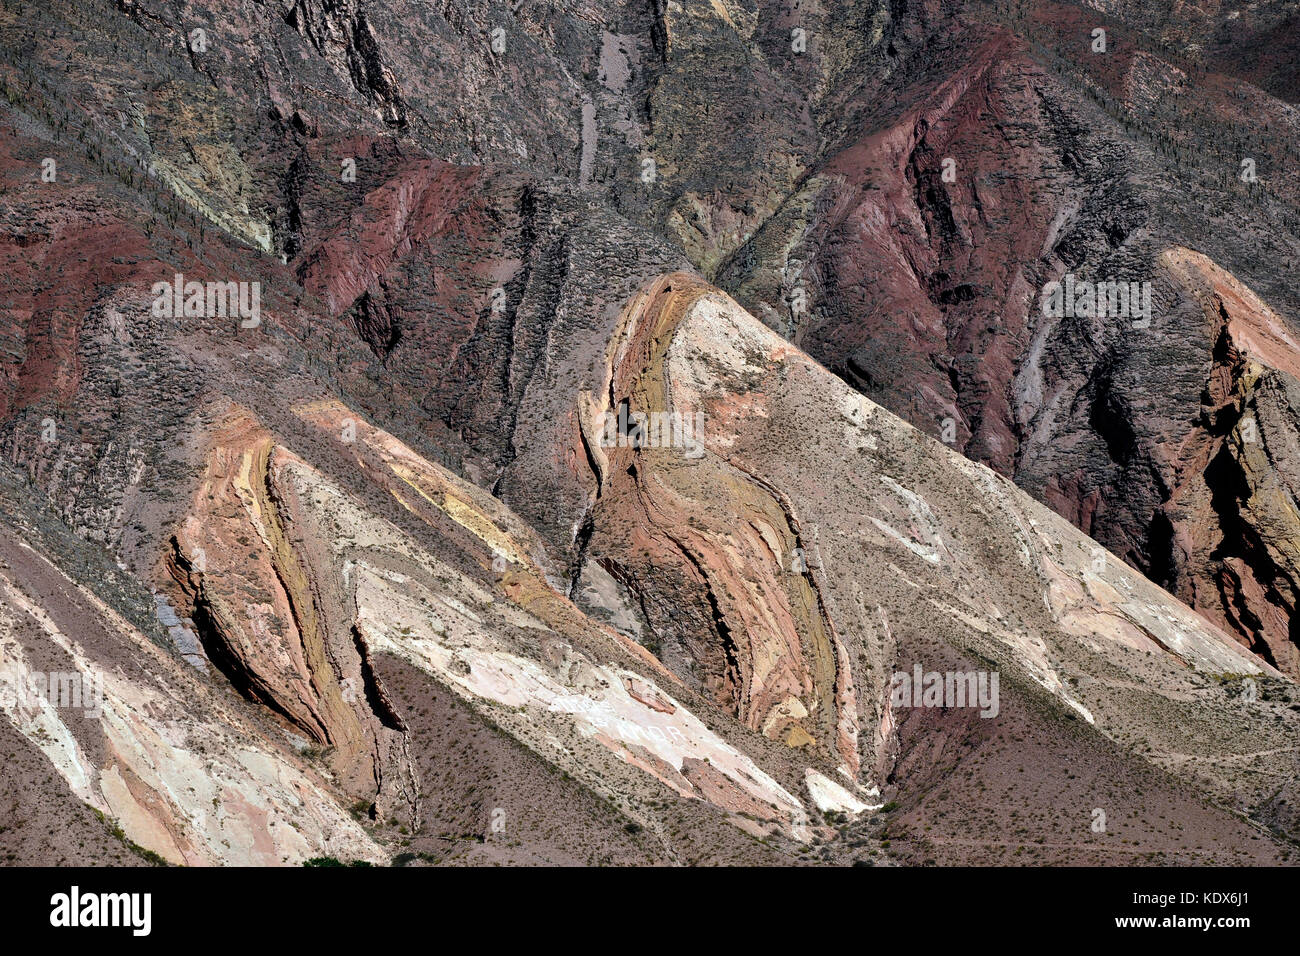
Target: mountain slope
{"points": [[569, 495]]}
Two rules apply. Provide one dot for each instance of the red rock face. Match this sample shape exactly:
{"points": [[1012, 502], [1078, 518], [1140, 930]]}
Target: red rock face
{"points": [[926, 282], [55, 263], [422, 271], [1229, 514], [416, 203]]}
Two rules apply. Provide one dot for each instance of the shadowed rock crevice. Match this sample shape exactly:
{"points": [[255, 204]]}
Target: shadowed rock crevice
{"points": [[222, 652], [377, 325]]}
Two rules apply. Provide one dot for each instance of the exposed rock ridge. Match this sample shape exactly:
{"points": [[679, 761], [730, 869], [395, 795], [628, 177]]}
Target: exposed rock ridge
{"points": [[776, 662]]}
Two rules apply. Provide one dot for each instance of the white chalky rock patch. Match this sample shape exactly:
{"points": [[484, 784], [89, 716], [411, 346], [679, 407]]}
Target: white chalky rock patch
{"points": [[828, 795]]}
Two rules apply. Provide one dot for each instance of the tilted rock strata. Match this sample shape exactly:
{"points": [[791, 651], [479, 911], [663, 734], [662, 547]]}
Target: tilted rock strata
{"points": [[180, 771], [1234, 520]]}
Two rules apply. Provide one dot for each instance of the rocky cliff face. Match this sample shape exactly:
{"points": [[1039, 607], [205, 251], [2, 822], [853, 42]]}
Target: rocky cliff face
{"points": [[629, 395]]}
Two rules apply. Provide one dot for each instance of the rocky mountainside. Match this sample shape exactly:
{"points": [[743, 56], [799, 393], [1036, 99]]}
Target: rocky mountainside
{"points": [[487, 433]]}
